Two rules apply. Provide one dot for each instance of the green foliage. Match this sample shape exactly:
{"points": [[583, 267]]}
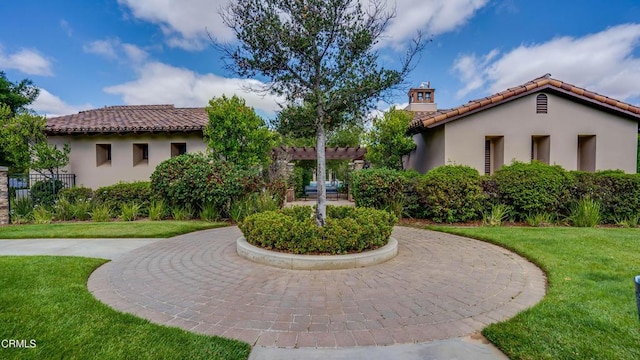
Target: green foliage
{"points": [[129, 211], [236, 133], [47, 158], [195, 179], [300, 213], [157, 210], [21, 210], [302, 177], [388, 140], [101, 213], [451, 193], [64, 210], [638, 157], [18, 132], [253, 203], [629, 222], [294, 230], [16, 96], [118, 195], [498, 214], [82, 209], [42, 215], [179, 213], [209, 213], [45, 192], [377, 188], [539, 219], [532, 187], [618, 193], [586, 213], [76, 193]]}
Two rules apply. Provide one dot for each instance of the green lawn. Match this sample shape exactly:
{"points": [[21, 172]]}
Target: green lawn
{"points": [[46, 299], [119, 229], [590, 309]]}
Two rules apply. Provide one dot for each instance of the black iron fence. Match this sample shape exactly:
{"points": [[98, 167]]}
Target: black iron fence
{"points": [[25, 181]]}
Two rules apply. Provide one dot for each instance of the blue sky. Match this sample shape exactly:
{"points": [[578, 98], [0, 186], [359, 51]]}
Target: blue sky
{"points": [[88, 54]]}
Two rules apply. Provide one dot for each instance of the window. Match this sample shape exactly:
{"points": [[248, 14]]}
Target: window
{"points": [[428, 96], [587, 153], [541, 104], [178, 149], [103, 154], [140, 154], [540, 145], [493, 154], [420, 96]]}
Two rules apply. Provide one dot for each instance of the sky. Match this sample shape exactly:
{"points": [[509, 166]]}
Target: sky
{"points": [[89, 54]]}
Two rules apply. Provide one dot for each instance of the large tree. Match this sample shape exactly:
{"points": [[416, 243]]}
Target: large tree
{"points": [[321, 53], [236, 133], [17, 95], [388, 141]]}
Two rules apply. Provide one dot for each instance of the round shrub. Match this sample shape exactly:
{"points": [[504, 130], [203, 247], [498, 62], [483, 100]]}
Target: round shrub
{"points": [[347, 229], [532, 188], [197, 180], [378, 188], [451, 193], [45, 192]]}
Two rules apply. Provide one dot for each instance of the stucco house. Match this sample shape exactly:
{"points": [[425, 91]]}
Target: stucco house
{"points": [[126, 143], [544, 119]]}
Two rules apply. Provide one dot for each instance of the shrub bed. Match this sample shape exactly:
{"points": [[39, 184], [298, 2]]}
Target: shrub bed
{"points": [[451, 193], [530, 188], [378, 188], [347, 229], [195, 180], [124, 193]]}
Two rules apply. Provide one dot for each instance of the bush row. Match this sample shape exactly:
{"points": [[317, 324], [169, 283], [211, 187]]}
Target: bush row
{"points": [[456, 193], [347, 229]]}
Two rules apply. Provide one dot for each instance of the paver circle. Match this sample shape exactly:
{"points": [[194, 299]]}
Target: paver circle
{"points": [[439, 286]]}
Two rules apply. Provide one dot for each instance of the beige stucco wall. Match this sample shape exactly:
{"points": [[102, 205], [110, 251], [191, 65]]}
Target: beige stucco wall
{"points": [[517, 121], [82, 160], [429, 151]]}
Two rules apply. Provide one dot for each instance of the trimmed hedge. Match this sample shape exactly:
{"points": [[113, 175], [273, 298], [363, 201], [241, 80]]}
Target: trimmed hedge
{"points": [[347, 229], [531, 188], [451, 193], [196, 180], [618, 193], [123, 193], [378, 188], [75, 194]]}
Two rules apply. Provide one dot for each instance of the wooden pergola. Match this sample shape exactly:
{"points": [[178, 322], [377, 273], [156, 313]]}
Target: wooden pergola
{"points": [[331, 153]]}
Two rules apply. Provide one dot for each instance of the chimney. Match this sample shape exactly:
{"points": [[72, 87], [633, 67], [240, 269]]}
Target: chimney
{"points": [[422, 98]]}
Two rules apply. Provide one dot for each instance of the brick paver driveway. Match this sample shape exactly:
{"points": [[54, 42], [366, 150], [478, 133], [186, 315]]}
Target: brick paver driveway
{"points": [[439, 286]]}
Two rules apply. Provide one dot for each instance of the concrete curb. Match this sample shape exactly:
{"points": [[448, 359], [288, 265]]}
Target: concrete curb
{"points": [[316, 262]]}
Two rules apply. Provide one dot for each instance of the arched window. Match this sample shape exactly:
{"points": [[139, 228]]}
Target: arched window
{"points": [[541, 104]]}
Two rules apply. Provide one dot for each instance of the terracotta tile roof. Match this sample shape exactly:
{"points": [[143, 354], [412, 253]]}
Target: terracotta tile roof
{"points": [[130, 119], [422, 121]]}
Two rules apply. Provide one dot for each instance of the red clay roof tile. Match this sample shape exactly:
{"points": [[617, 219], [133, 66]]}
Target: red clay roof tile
{"points": [[130, 118], [421, 120]]}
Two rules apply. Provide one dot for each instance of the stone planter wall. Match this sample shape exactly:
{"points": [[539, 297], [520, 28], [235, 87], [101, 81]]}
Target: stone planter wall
{"points": [[4, 195]]}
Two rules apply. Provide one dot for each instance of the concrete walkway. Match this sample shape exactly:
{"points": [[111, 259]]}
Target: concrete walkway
{"points": [[98, 248], [439, 287]]}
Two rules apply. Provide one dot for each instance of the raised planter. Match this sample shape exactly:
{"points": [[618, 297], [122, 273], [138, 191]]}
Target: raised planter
{"points": [[316, 262]]}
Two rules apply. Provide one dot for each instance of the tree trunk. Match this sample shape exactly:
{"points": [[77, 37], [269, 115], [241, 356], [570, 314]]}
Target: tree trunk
{"points": [[321, 202]]}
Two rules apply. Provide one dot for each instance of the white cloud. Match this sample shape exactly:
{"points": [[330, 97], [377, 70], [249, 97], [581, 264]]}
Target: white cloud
{"points": [[28, 61], [106, 48], [113, 49], [134, 53], [66, 27], [434, 17], [159, 83], [184, 22], [51, 105], [603, 62]]}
